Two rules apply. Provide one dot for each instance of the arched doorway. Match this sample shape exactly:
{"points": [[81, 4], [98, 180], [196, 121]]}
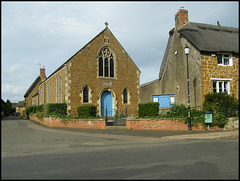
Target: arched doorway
{"points": [[106, 104]]}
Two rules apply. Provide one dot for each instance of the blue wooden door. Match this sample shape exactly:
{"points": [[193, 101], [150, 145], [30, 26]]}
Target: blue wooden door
{"points": [[106, 103]]}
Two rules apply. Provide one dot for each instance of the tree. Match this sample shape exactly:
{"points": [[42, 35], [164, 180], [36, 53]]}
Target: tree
{"points": [[9, 108]]}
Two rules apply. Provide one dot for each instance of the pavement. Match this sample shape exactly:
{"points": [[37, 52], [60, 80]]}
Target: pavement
{"points": [[114, 131]]}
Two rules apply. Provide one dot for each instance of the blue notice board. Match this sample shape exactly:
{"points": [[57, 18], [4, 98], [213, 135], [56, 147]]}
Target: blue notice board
{"points": [[165, 100]]}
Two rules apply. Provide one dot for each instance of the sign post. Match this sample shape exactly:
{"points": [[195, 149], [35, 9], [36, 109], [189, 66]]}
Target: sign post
{"points": [[208, 118]]}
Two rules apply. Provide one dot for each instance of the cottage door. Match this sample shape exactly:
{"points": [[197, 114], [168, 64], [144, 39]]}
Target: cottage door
{"points": [[106, 104]]}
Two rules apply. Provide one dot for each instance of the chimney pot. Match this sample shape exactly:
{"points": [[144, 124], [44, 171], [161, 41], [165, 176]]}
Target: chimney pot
{"points": [[181, 17], [42, 73]]}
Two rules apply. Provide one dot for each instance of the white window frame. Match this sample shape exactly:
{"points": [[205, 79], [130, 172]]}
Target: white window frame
{"points": [[229, 56], [220, 85]]}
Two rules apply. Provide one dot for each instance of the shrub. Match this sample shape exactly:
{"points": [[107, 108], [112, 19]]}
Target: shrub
{"points": [[31, 109], [87, 111], [178, 111], [148, 109], [181, 111], [24, 115], [219, 120], [221, 103], [40, 108], [55, 108]]}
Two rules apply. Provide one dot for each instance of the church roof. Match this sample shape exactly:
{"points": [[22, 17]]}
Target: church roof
{"points": [[211, 38], [63, 65], [35, 83]]}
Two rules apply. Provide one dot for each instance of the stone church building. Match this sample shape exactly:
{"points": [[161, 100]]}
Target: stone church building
{"points": [[101, 74]]}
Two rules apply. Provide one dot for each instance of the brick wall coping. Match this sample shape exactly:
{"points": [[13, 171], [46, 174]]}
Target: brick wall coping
{"points": [[140, 119], [164, 124], [71, 123]]}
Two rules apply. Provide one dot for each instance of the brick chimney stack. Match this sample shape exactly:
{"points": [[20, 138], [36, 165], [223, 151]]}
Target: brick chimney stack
{"points": [[181, 18], [42, 73]]}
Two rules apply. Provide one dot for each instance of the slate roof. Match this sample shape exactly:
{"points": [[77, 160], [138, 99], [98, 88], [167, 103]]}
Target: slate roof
{"points": [[211, 38], [35, 83], [21, 104]]}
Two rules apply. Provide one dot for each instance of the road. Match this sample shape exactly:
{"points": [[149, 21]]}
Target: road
{"points": [[32, 151]]}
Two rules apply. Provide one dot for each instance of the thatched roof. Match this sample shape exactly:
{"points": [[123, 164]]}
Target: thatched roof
{"points": [[211, 38]]}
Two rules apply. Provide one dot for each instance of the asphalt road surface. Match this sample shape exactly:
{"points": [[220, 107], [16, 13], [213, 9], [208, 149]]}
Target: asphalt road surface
{"points": [[32, 151]]}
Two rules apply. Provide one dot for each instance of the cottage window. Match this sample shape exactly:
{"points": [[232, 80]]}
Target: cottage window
{"points": [[106, 63], [221, 86], [85, 95], [224, 59]]}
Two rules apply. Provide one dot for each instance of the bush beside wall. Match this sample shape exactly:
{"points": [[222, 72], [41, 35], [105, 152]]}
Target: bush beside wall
{"points": [[55, 108], [148, 109], [87, 111]]}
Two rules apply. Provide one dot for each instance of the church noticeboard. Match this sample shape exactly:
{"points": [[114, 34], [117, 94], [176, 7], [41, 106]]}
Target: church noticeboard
{"points": [[165, 100], [208, 117]]}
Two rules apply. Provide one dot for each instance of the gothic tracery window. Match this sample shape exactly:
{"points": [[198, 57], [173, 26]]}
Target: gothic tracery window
{"points": [[106, 63]]}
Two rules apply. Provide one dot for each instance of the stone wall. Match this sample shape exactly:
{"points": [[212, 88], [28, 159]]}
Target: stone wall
{"points": [[149, 89], [50, 94], [83, 70], [232, 123], [211, 70]]}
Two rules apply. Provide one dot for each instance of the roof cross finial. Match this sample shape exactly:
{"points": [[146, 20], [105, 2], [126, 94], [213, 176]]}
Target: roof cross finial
{"points": [[106, 23]]}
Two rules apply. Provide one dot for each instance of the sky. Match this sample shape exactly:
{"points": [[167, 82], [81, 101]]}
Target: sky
{"points": [[37, 34]]}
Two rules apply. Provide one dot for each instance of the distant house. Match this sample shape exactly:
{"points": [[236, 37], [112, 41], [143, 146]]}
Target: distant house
{"points": [[213, 63], [101, 73], [20, 107]]}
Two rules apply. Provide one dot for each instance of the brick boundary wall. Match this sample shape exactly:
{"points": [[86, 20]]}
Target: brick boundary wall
{"points": [[57, 122], [147, 124], [167, 124]]}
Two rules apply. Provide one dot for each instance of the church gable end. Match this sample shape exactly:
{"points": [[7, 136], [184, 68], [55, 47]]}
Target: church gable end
{"points": [[102, 64]]}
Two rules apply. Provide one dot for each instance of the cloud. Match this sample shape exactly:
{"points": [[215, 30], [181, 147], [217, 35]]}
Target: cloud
{"points": [[50, 33]]}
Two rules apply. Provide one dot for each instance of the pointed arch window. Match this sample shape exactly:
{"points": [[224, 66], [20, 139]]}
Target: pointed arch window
{"points": [[111, 68], [125, 96], [106, 63], [85, 95], [106, 67], [100, 64]]}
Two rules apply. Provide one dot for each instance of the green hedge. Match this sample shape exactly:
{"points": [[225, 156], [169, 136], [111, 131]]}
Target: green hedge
{"points": [[221, 103], [148, 109], [31, 109], [55, 108], [48, 109], [87, 111]]}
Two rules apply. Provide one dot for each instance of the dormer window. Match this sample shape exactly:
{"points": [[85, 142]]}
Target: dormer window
{"points": [[224, 59]]}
